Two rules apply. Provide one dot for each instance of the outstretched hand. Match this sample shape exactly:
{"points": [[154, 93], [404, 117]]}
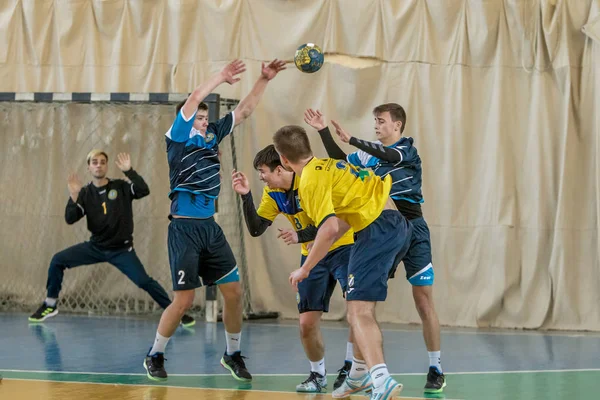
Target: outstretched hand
{"points": [[74, 186], [271, 70], [314, 118], [123, 162], [239, 182], [231, 70], [342, 134]]}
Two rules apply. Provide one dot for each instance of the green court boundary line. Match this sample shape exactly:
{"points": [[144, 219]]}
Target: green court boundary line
{"points": [[186, 387]]}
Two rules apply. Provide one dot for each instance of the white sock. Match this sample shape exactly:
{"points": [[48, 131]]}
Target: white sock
{"points": [[359, 369], [318, 367], [435, 360], [160, 343], [233, 342], [379, 374], [50, 301], [349, 351]]}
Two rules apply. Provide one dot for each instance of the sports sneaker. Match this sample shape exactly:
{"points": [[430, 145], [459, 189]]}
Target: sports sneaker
{"points": [[388, 390], [155, 367], [43, 313], [352, 386], [436, 381], [236, 365], [187, 321], [315, 383], [342, 374]]}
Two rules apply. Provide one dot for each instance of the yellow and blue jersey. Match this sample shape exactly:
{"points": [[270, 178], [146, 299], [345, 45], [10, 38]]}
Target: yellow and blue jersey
{"points": [[331, 187], [285, 202]]}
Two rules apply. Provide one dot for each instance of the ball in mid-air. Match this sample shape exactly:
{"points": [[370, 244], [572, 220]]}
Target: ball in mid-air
{"points": [[309, 58]]}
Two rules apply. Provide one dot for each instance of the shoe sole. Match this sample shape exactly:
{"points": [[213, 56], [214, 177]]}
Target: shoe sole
{"points": [[153, 378], [52, 314], [237, 378], [367, 389], [189, 325], [436, 390], [395, 391], [323, 389]]}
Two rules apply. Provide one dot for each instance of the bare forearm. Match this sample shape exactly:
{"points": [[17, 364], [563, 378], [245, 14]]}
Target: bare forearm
{"points": [[249, 103], [200, 93]]}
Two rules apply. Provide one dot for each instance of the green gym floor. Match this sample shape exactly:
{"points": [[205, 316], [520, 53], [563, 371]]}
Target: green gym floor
{"points": [[79, 357]]}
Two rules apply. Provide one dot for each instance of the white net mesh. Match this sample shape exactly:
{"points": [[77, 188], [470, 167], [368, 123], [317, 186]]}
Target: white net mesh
{"points": [[41, 144]]}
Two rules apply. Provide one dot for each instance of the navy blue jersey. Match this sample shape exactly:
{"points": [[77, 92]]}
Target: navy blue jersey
{"points": [[194, 165], [405, 169]]}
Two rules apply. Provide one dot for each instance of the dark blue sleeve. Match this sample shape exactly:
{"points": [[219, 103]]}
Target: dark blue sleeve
{"points": [[222, 127]]}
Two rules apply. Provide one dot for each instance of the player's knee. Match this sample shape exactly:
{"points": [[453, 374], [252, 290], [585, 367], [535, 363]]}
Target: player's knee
{"points": [[360, 310], [423, 296], [57, 261], [231, 291], [183, 300], [309, 323]]}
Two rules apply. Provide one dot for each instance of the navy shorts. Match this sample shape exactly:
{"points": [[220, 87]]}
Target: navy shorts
{"points": [[199, 254], [315, 291], [418, 261], [377, 250]]}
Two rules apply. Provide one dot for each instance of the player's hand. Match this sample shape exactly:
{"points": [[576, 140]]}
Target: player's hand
{"points": [[272, 69], [230, 72], [240, 182], [342, 134], [298, 276], [123, 161], [289, 236], [314, 118], [74, 185]]}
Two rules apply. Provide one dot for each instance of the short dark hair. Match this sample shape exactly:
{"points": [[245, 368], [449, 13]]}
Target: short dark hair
{"points": [[292, 142], [267, 156], [396, 112], [201, 107]]}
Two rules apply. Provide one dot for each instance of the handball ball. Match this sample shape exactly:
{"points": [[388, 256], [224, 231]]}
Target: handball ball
{"points": [[309, 58]]}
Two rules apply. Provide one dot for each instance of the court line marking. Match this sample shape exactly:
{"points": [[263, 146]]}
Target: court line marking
{"points": [[546, 371], [190, 388], [451, 331]]}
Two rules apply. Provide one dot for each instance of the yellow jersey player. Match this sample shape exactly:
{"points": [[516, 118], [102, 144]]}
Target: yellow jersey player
{"points": [[337, 197], [280, 196]]}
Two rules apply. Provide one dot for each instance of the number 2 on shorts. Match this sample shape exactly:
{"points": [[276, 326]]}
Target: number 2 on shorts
{"points": [[181, 276]]}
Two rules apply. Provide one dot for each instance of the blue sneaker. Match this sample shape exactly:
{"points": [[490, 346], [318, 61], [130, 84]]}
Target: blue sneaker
{"points": [[388, 390]]}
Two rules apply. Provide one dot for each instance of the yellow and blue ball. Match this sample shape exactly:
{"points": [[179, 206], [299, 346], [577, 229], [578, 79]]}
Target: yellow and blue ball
{"points": [[309, 58]]}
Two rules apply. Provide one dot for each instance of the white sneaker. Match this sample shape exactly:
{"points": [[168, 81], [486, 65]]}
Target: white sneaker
{"points": [[351, 386], [387, 391], [315, 383]]}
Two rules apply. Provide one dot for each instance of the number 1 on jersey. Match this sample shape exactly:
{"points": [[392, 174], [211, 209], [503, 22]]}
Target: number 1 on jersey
{"points": [[104, 207]]}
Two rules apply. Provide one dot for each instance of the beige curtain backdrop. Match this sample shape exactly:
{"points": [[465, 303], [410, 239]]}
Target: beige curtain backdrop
{"points": [[501, 96]]}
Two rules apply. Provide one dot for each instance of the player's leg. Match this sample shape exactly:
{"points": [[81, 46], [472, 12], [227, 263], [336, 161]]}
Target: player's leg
{"points": [[375, 251], [312, 299], [420, 274], [81, 254], [184, 246], [129, 264], [337, 263], [352, 377], [218, 266]]}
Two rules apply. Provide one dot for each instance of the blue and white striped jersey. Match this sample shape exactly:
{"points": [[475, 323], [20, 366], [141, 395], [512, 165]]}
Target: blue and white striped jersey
{"points": [[405, 169], [194, 165]]}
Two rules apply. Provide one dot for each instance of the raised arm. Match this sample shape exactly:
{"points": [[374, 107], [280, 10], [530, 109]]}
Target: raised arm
{"points": [[139, 188], [74, 210], [228, 74], [256, 224], [249, 103], [378, 150], [315, 119]]}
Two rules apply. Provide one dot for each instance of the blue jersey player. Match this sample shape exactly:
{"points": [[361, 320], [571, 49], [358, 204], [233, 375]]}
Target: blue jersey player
{"points": [[199, 254], [396, 156]]}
